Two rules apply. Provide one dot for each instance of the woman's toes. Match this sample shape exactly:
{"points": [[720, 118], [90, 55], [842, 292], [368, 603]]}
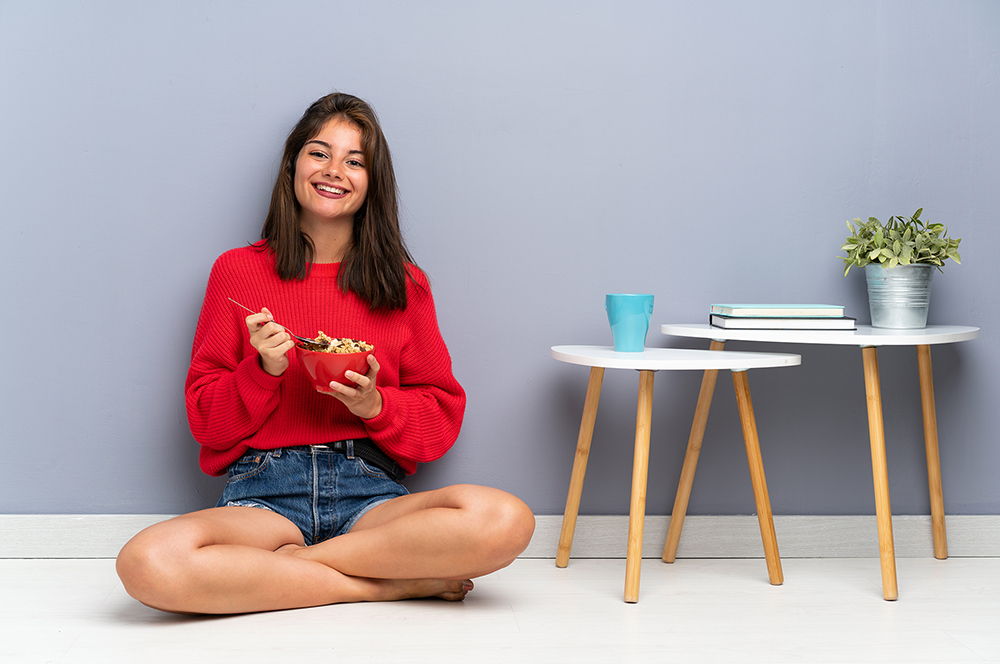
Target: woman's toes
{"points": [[456, 591]]}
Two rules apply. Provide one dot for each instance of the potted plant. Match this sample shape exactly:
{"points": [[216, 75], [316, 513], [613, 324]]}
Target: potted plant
{"points": [[898, 257]]}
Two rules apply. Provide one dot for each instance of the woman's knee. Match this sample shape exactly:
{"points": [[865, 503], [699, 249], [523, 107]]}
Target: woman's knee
{"points": [[506, 522], [151, 565], [519, 523]]}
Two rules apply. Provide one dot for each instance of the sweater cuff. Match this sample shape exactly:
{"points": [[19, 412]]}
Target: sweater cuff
{"points": [[251, 369], [385, 417]]}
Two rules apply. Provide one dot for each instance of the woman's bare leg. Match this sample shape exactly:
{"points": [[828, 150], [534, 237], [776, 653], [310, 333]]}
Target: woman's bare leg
{"points": [[458, 532], [223, 560]]}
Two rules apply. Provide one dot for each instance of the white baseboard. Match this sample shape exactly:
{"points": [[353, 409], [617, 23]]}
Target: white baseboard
{"points": [[103, 535], [70, 535], [798, 536]]}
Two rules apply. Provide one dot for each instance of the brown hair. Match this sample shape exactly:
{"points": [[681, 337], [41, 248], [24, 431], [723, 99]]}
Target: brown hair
{"points": [[375, 266]]}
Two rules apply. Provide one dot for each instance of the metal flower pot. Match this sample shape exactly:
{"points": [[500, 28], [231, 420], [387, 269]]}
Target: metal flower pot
{"points": [[899, 296]]}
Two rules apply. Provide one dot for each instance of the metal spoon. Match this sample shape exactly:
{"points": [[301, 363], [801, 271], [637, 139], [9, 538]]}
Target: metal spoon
{"points": [[315, 342]]}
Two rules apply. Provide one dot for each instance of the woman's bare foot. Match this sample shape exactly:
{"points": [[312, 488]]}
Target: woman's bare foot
{"points": [[395, 589], [453, 591]]}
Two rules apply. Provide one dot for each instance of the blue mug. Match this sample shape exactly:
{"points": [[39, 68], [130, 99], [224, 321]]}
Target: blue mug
{"points": [[629, 316]]}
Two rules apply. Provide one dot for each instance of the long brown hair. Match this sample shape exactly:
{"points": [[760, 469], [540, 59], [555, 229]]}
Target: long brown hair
{"points": [[376, 264]]}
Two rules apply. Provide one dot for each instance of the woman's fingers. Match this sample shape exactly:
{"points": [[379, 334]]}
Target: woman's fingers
{"points": [[362, 399], [271, 342], [373, 367], [361, 381], [257, 321], [365, 382]]}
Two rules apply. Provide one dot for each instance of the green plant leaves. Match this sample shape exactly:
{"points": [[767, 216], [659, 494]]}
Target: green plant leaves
{"points": [[899, 241]]}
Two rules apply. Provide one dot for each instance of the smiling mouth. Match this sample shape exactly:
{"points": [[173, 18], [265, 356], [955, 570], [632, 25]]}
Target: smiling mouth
{"points": [[331, 190]]}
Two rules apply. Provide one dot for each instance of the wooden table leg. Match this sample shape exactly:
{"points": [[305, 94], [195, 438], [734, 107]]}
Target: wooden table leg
{"points": [[640, 467], [933, 455], [880, 474], [757, 478], [579, 465], [691, 460]]}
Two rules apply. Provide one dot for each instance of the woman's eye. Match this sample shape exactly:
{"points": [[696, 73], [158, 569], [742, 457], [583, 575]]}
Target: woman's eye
{"points": [[317, 154], [355, 163]]}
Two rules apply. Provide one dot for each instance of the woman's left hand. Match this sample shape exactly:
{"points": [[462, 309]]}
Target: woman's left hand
{"points": [[363, 399]]}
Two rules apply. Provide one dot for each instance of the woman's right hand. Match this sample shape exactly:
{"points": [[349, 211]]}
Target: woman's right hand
{"points": [[271, 341]]}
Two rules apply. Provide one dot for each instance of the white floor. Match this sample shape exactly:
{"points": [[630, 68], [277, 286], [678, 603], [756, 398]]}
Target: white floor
{"points": [[828, 610]]}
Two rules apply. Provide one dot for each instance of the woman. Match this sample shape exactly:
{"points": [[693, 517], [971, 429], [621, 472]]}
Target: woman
{"points": [[313, 513]]}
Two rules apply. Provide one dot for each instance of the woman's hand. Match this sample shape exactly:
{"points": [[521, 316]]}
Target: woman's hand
{"points": [[363, 399], [271, 342]]}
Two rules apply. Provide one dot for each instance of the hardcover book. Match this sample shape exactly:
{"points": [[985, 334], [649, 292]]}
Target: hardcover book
{"points": [[789, 323], [779, 310]]}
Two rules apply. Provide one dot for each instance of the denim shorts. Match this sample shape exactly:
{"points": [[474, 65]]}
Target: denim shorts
{"points": [[322, 492]]}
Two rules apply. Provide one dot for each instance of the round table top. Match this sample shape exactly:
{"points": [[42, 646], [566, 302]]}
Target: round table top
{"points": [[672, 359], [865, 335]]}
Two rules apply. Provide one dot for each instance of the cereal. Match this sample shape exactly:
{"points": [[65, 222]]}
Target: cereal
{"points": [[333, 345]]}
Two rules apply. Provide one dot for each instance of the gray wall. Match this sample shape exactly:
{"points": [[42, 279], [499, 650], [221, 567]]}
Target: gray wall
{"points": [[548, 153]]}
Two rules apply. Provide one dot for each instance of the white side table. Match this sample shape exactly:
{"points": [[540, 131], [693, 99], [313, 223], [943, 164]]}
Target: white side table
{"points": [[651, 360], [869, 339]]}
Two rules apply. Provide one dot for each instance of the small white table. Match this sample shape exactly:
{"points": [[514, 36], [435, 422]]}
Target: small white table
{"points": [[868, 338], [651, 360]]}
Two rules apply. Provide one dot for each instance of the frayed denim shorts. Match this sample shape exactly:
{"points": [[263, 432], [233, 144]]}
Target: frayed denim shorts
{"points": [[321, 491]]}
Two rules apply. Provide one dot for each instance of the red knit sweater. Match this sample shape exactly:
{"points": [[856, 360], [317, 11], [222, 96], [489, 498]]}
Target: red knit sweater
{"points": [[233, 404]]}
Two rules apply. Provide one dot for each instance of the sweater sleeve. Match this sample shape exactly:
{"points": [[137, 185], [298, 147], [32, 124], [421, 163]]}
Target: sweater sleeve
{"points": [[227, 393], [421, 417]]}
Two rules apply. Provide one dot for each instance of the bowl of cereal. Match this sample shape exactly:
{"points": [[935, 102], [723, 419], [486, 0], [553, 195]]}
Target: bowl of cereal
{"points": [[330, 359]]}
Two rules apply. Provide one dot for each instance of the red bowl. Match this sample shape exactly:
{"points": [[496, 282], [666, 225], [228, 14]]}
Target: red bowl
{"points": [[325, 367]]}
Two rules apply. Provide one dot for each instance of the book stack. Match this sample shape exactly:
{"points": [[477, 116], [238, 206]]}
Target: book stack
{"points": [[780, 317]]}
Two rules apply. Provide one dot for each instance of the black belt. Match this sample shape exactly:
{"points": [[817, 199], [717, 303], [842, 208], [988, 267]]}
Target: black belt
{"points": [[371, 453]]}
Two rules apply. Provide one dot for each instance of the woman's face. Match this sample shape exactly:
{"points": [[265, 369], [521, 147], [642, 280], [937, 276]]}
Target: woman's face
{"points": [[331, 177]]}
